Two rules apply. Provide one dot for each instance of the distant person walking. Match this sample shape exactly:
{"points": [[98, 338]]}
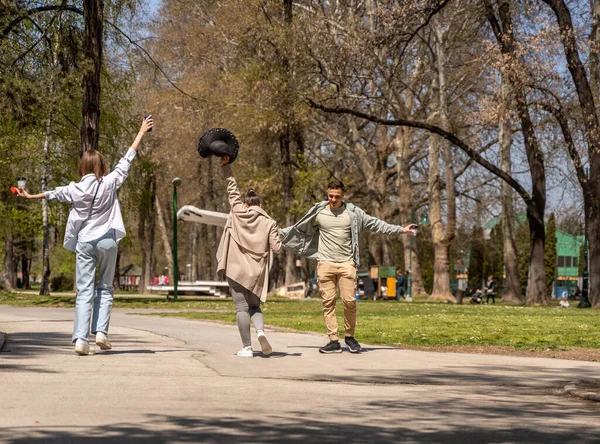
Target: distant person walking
{"points": [[491, 290], [94, 228], [243, 258], [330, 233], [399, 285]]}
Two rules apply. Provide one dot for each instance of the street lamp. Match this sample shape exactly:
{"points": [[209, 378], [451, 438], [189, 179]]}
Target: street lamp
{"points": [[424, 221], [176, 182]]}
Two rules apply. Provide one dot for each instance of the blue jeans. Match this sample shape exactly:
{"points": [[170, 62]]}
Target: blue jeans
{"points": [[101, 252]]}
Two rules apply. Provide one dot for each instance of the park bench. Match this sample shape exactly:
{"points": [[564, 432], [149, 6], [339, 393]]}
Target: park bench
{"points": [[205, 288]]}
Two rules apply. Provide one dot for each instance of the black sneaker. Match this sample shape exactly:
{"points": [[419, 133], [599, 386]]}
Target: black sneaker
{"points": [[353, 345], [332, 347]]}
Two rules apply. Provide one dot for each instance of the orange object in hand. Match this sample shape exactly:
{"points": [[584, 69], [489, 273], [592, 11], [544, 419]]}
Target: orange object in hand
{"points": [[14, 190]]}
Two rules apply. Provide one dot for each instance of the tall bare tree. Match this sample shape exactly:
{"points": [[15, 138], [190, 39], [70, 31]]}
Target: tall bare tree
{"points": [[93, 13]]}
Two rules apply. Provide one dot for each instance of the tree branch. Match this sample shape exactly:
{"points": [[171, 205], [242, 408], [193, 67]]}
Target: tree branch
{"points": [[34, 11], [440, 132]]}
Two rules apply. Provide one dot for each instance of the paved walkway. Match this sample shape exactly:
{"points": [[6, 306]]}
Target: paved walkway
{"points": [[177, 380]]}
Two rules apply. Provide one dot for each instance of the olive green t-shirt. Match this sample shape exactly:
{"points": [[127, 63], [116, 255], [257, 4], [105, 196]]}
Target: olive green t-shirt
{"points": [[335, 236]]}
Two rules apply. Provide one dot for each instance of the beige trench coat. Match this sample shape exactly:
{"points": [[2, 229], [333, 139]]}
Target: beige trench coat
{"points": [[249, 234]]}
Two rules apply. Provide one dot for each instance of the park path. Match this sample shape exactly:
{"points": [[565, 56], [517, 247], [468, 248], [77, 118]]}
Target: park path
{"points": [[176, 380]]}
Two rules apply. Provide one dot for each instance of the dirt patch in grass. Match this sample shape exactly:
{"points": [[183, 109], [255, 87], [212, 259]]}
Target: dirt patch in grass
{"points": [[570, 353]]}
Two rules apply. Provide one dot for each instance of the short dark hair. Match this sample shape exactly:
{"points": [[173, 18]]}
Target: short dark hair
{"points": [[336, 184], [252, 198]]}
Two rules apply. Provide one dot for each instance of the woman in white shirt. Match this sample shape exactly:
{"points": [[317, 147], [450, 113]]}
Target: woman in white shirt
{"points": [[94, 228]]}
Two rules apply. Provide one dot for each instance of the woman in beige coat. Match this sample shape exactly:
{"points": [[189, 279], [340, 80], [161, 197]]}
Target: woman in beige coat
{"points": [[243, 258]]}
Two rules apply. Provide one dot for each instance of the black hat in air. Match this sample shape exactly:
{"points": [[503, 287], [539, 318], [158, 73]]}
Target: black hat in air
{"points": [[218, 142]]}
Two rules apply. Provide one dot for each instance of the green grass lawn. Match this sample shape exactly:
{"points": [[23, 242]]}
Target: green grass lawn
{"points": [[394, 323]]}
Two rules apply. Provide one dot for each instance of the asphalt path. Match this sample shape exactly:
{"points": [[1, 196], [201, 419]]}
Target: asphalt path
{"points": [[171, 380]]}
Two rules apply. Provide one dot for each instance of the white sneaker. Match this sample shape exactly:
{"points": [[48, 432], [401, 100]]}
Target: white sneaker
{"points": [[246, 352], [264, 343], [83, 348], [102, 341]]}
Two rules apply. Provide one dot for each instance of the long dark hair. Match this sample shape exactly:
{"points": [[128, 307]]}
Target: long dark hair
{"points": [[252, 198]]}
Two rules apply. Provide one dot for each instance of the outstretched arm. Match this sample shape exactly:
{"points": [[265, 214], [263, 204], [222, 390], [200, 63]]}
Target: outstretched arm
{"points": [[26, 195], [61, 194], [376, 225]]}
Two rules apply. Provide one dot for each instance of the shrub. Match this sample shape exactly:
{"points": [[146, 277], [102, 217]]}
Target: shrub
{"points": [[62, 283]]}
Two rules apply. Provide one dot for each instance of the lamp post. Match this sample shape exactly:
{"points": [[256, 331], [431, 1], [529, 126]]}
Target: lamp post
{"points": [[176, 182], [424, 221]]}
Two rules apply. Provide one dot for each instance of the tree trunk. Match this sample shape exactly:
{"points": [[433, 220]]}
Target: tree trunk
{"points": [[441, 278], [503, 31], [93, 13], [585, 94], [386, 251], [164, 235], [194, 254], [288, 197], [442, 238], [213, 245], [25, 284], [405, 190], [147, 228], [205, 254], [45, 284], [117, 277], [537, 293], [512, 288], [10, 277], [374, 248], [595, 51], [592, 188], [592, 223]]}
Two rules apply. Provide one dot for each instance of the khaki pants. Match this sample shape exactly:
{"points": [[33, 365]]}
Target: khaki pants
{"points": [[332, 276]]}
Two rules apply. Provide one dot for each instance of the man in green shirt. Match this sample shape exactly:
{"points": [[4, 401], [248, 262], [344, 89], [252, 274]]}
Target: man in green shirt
{"points": [[330, 232]]}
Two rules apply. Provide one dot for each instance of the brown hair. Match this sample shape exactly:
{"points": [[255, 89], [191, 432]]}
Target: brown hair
{"points": [[336, 184], [252, 198], [91, 162]]}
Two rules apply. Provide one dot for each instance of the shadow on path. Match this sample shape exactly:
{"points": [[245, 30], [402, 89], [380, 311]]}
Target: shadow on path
{"points": [[165, 429]]}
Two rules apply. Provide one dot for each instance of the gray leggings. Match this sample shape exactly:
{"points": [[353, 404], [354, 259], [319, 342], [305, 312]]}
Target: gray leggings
{"points": [[246, 303]]}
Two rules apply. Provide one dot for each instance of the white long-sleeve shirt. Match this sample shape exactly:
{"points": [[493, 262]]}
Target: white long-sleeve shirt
{"points": [[106, 210]]}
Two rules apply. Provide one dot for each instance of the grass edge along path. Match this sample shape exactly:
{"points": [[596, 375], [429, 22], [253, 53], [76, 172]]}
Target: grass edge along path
{"points": [[494, 329]]}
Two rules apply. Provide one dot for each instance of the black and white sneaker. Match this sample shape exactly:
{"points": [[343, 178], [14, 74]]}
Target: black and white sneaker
{"points": [[353, 345], [332, 347]]}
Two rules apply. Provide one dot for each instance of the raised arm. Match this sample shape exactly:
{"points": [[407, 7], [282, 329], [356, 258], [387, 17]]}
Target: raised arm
{"points": [[121, 171], [233, 192]]}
